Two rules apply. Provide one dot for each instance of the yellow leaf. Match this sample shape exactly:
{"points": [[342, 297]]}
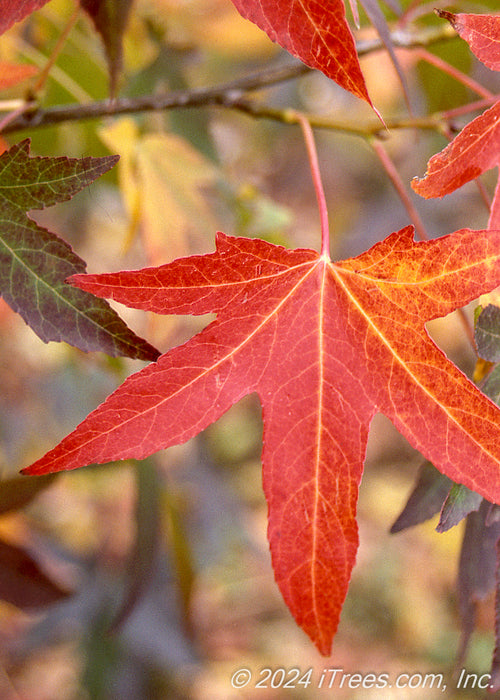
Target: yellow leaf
{"points": [[162, 180]]}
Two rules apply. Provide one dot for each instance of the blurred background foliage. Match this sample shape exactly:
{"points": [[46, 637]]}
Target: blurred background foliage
{"points": [[156, 576]]}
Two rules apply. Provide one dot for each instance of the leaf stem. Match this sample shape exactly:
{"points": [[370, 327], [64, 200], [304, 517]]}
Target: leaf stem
{"points": [[398, 184], [453, 72], [312, 153], [231, 94], [42, 78]]}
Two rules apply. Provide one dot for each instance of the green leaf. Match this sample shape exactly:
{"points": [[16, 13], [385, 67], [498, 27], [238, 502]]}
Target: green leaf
{"points": [[491, 386], [487, 333], [460, 502], [110, 19], [34, 263]]}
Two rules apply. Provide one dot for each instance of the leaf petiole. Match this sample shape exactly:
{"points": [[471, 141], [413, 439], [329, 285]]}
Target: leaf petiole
{"points": [[312, 153]]}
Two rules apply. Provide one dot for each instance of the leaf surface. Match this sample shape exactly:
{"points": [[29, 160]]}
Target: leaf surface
{"points": [[34, 263], [162, 172], [325, 346], [481, 32], [459, 503], [13, 73], [110, 19], [487, 333], [476, 149], [12, 11], [315, 32], [23, 582], [477, 566], [425, 500]]}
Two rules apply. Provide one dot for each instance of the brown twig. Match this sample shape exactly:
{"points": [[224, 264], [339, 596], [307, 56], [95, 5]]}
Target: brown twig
{"points": [[226, 95]]}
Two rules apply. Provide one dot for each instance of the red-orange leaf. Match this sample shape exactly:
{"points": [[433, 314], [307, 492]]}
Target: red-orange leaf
{"points": [[475, 150], [325, 346], [315, 32], [13, 73], [481, 32]]}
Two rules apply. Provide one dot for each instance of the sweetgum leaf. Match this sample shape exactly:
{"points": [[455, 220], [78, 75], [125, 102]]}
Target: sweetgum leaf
{"points": [[487, 333], [495, 664], [481, 32], [491, 386], [460, 502], [425, 500], [110, 18], [34, 263], [325, 346], [477, 566], [12, 11], [23, 583], [315, 32], [17, 491], [475, 150]]}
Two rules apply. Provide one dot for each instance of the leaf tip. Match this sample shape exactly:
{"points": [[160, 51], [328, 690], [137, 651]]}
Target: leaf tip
{"points": [[444, 14]]}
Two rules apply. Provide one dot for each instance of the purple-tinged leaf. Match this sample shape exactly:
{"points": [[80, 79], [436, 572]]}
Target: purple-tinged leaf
{"points": [[495, 664], [477, 567], [460, 502], [34, 263], [23, 583], [425, 500], [487, 333]]}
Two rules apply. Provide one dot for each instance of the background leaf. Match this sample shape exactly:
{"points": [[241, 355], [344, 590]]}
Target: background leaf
{"points": [[491, 386], [23, 583], [164, 181], [13, 73], [34, 263], [459, 503], [487, 333], [110, 18], [426, 498], [477, 567], [17, 491]]}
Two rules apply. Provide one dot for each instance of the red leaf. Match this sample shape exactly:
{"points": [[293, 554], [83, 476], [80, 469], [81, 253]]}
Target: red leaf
{"points": [[325, 345], [12, 11], [481, 32], [475, 150], [13, 73], [315, 32]]}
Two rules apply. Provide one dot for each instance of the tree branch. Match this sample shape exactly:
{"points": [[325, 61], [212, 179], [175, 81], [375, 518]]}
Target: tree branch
{"points": [[225, 95]]}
